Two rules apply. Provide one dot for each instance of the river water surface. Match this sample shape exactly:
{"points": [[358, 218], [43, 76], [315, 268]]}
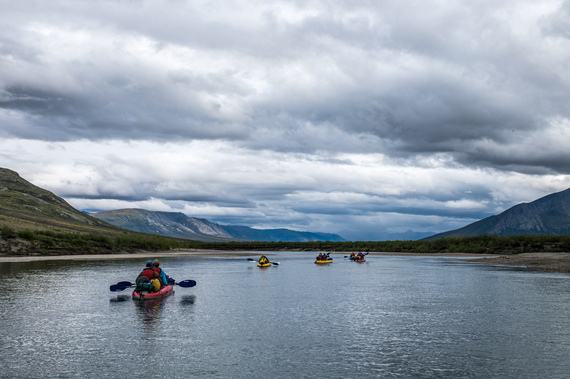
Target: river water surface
{"points": [[390, 317]]}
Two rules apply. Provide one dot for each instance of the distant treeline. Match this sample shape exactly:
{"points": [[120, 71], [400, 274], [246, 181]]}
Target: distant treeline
{"points": [[484, 244], [46, 242]]}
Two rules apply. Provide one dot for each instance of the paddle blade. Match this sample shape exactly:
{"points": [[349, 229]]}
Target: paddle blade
{"points": [[128, 284], [187, 283], [116, 287], [251, 260], [275, 263]]}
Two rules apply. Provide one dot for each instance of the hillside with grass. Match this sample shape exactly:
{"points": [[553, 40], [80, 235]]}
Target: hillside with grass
{"points": [[35, 221], [548, 216], [24, 206]]}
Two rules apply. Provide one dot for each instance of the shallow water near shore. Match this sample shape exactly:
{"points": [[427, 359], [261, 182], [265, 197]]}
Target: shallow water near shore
{"points": [[390, 317]]}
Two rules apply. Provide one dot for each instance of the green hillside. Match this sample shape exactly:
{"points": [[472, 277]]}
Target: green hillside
{"points": [[24, 206], [548, 216], [35, 221]]}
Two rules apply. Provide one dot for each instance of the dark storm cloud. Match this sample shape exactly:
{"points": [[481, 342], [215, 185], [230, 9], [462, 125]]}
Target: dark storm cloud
{"points": [[439, 79]]}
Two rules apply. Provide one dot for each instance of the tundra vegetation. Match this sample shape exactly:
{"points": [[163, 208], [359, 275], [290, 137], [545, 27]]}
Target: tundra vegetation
{"points": [[45, 242]]}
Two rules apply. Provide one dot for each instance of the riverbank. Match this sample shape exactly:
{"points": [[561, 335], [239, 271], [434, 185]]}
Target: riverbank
{"points": [[145, 255], [551, 262]]}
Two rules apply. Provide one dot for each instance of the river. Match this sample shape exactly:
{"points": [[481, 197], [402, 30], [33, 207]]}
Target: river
{"points": [[390, 317]]}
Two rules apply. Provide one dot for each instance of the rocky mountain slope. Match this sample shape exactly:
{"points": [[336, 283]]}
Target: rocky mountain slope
{"points": [[549, 215], [175, 224]]}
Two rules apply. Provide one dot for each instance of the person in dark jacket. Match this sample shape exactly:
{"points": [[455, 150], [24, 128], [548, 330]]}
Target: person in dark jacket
{"points": [[148, 274]]}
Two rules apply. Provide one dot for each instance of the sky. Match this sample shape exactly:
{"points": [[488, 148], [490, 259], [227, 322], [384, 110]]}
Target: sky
{"points": [[365, 118]]}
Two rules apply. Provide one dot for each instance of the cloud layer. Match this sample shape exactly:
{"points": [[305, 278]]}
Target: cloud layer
{"points": [[362, 118]]}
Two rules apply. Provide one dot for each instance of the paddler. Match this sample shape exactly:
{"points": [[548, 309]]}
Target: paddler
{"points": [[263, 259], [161, 273], [150, 275]]}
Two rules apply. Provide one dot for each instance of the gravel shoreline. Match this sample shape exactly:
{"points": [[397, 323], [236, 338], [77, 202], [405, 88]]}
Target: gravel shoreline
{"points": [[145, 255], [551, 262]]}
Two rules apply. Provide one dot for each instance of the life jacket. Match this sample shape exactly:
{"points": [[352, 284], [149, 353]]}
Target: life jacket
{"points": [[148, 272], [157, 270]]}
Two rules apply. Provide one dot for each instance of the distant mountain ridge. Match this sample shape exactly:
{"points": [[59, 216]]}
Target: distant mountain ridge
{"points": [[549, 215], [177, 224]]}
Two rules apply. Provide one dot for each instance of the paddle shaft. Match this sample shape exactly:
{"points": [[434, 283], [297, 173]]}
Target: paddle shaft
{"points": [[121, 286]]}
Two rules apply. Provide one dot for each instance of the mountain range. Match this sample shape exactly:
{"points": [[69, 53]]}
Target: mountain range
{"points": [[549, 215], [176, 224], [24, 206]]}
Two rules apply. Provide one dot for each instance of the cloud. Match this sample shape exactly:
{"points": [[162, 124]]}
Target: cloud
{"points": [[289, 113]]}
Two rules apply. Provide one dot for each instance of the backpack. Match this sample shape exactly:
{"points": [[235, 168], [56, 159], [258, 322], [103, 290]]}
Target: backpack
{"points": [[143, 284], [146, 286], [155, 283]]}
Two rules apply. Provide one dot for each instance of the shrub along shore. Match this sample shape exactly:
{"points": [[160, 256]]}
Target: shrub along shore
{"points": [[542, 252]]}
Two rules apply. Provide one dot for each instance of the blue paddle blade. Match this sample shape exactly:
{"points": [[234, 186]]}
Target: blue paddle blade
{"points": [[128, 284], [117, 287], [187, 283]]}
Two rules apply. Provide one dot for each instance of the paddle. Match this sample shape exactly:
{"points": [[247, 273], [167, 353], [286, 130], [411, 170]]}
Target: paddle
{"points": [[121, 286], [186, 283], [116, 287], [253, 260]]}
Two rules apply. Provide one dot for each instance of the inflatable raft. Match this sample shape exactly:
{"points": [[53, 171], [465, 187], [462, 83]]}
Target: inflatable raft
{"points": [[323, 261], [164, 292]]}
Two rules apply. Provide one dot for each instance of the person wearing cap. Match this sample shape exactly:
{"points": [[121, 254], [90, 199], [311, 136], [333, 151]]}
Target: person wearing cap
{"points": [[149, 274], [160, 271]]}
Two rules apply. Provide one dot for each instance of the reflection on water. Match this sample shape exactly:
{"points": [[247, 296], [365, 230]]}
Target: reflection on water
{"points": [[187, 299], [149, 311], [120, 298], [392, 317]]}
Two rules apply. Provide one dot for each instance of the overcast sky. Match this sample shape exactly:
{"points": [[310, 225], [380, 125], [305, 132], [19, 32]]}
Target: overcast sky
{"points": [[362, 118]]}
